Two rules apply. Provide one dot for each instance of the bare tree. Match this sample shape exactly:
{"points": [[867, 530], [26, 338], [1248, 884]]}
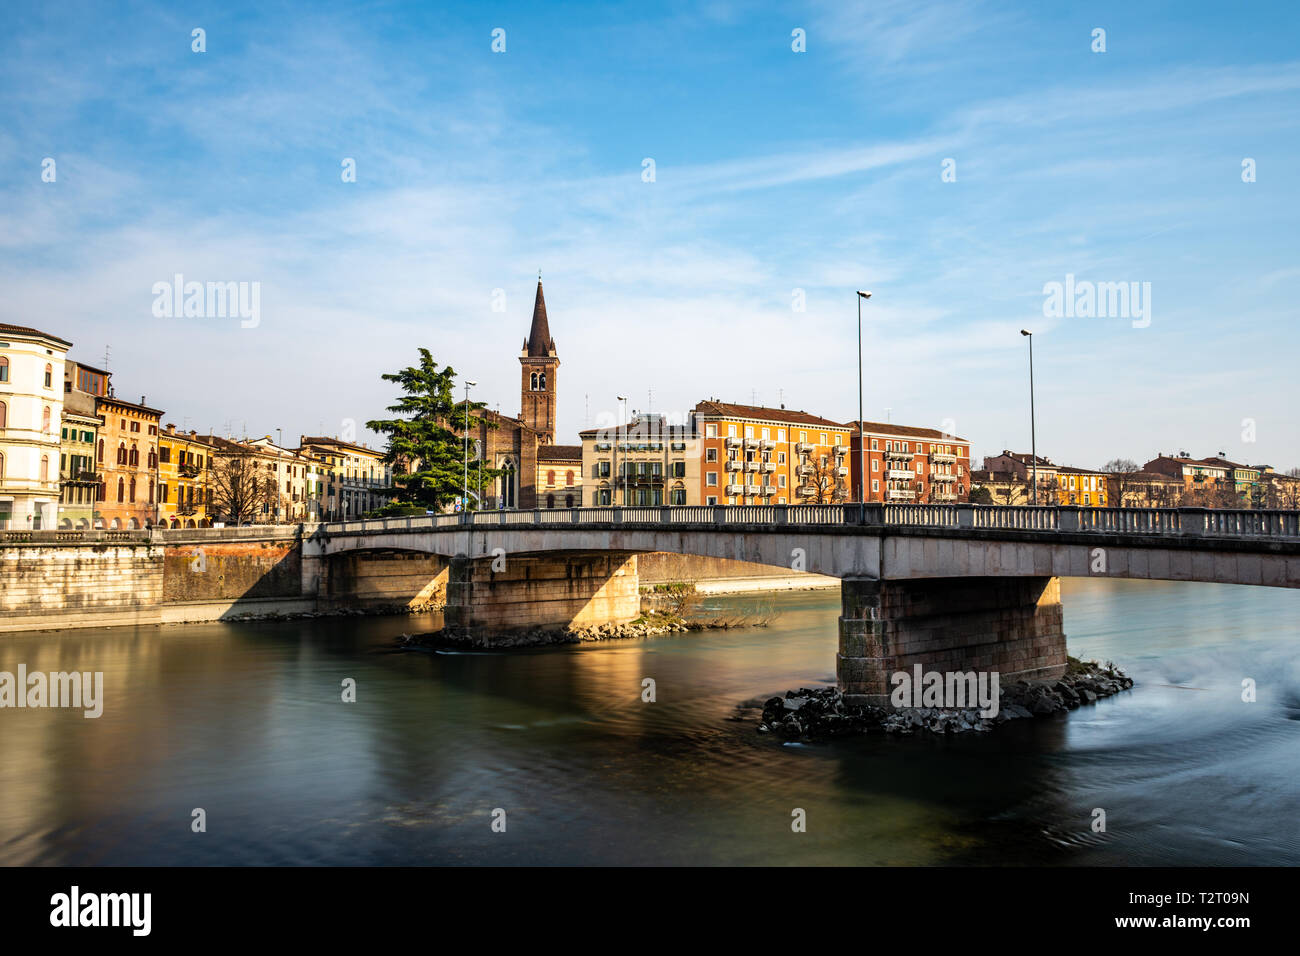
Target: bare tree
{"points": [[827, 485], [1123, 472], [241, 490]]}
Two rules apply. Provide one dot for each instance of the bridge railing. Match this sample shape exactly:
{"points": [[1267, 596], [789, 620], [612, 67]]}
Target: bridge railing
{"points": [[1063, 519]]}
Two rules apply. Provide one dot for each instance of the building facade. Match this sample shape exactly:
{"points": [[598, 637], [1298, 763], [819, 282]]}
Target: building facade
{"points": [[559, 476], [644, 463], [184, 479], [31, 412], [1205, 484], [1025, 466], [354, 479], [906, 464], [1081, 486], [127, 458]]}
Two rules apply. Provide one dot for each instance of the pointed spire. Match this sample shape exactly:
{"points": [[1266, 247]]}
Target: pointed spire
{"points": [[539, 336]]}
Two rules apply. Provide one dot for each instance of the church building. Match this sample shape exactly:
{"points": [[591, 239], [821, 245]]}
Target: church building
{"points": [[524, 447]]}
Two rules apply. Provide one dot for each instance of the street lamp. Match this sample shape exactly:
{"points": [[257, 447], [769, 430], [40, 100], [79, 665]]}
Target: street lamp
{"points": [[464, 488], [622, 421], [1033, 443], [862, 427]]}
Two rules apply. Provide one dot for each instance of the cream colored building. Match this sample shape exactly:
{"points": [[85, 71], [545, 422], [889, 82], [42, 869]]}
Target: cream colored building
{"points": [[643, 463], [355, 477], [31, 413]]}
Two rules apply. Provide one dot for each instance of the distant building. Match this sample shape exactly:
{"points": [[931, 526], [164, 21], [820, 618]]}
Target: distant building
{"points": [[343, 479], [1003, 487], [909, 464], [184, 479], [1206, 483], [1080, 486], [1026, 465], [31, 412]]}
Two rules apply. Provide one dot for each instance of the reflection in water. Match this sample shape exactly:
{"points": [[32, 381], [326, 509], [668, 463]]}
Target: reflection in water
{"points": [[247, 722]]}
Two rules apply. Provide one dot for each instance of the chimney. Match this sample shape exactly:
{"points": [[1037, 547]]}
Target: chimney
{"points": [[141, 399]]}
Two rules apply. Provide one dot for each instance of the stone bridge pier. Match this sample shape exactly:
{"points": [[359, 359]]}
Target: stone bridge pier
{"points": [[1011, 626], [487, 596]]}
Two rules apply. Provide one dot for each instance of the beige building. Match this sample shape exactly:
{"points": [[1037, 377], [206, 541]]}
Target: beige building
{"points": [[354, 477], [643, 463], [31, 412], [559, 476]]}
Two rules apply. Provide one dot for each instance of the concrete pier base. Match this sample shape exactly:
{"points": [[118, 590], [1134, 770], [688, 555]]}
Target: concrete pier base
{"points": [[1011, 626], [563, 590]]}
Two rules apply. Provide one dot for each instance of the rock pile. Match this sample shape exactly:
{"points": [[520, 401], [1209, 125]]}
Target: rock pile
{"points": [[808, 714], [540, 637]]}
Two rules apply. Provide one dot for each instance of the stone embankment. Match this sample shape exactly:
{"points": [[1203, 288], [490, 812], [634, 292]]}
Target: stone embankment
{"points": [[814, 714]]}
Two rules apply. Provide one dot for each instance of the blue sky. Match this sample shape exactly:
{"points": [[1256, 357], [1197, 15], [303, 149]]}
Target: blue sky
{"points": [[774, 171]]}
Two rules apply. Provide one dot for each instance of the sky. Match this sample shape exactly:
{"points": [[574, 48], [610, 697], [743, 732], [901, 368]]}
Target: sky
{"points": [[954, 158]]}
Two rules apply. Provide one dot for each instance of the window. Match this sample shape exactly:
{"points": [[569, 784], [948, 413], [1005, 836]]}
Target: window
{"points": [[749, 431], [45, 420], [731, 431], [711, 479], [803, 436], [4, 414], [49, 375], [781, 480], [767, 434], [822, 436], [710, 431], [121, 490], [710, 454], [568, 479], [550, 477], [4, 369], [875, 464], [875, 444], [875, 484], [45, 467], [711, 500]]}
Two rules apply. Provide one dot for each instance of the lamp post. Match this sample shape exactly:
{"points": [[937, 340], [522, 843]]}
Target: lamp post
{"points": [[1033, 443], [464, 488], [862, 427], [622, 422]]}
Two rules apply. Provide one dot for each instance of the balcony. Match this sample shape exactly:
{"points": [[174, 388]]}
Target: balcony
{"points": [[753, 465], [769, 467], [806, 491], [895, 453], [841, 449], [753, 490], [942, 495], [734, 465], [805, 470], [733, 443], [751, 442], [900, 474], [938, 477], [898, 494], [942, 456], [767, 444], [803, 448], [841, 472], [735, 489]]}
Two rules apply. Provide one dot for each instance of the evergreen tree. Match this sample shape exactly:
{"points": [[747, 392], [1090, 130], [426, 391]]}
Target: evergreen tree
{"points": [[426, 447]]}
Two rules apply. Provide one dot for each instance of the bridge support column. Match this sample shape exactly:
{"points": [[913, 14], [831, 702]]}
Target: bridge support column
{"points": [[1011, 626], [489, 596]]}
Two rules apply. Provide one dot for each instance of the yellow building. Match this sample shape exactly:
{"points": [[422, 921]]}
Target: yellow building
{"points": [[559, 476], [184, 470], [1081, 486]]}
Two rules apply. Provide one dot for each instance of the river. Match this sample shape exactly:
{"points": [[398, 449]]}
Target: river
{"points": [[245, 721]]}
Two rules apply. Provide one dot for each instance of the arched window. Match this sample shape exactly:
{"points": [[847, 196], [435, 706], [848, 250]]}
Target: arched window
{"points": [[4, 369], [121, 490], [133, 458], [153, 458], [542, 380], [550, 477], [2, 466], [150, 491], [100, 456], [550, 501], [49, 375], [45, 467], [121, 453], [4, 414], [568, 477], [568, 501], [132, 490], [45, 419]]}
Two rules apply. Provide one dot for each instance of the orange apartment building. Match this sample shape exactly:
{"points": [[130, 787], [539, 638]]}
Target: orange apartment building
{"points": [[754, 455], [907, 465], [127, 458]]}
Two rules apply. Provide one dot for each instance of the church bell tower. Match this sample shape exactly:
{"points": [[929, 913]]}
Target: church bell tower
{"points": [[539, 374]]}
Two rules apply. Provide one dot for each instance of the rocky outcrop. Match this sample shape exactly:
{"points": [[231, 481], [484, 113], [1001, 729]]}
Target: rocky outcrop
{"points": [[540, 637], [808, 714]]}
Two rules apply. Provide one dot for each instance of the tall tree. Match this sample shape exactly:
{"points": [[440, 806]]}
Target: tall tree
{"points": [[426, 445]]}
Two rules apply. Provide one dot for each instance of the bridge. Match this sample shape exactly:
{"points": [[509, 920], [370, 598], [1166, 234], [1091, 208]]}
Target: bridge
{"points": [[950, 587]]}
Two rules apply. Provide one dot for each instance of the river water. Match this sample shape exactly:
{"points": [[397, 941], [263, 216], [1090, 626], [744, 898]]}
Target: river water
{"points": [[246, 722]]}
